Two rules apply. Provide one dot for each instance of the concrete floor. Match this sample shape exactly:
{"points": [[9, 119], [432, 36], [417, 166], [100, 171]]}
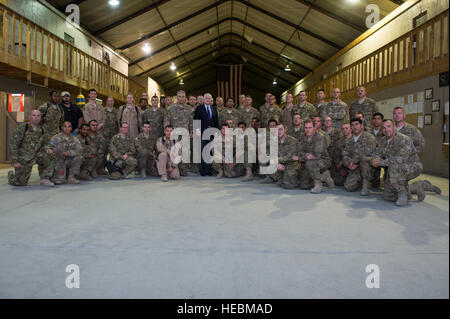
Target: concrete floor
{"points": [[208, 238]]}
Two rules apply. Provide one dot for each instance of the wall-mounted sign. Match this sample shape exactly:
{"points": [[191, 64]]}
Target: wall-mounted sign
{"points": [[16, 102]]}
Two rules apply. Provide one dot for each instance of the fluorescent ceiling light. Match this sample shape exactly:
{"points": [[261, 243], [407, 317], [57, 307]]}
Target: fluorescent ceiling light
{"points": [[114, 3]]}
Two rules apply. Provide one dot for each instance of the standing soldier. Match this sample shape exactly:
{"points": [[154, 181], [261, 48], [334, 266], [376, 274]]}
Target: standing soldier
{"points": [[155, 116], [249, 112], [179, 115], [132, 115], [219, 104], [122, 153], [304, 108], [164, 163], [230, 113], [52, 118], [297, 128], [110, 129], [287, 113], [397, 154], [320, 101], [224, 165], [272, 112], [88, 158], [363, 105], [377, 131], [67, 150], [98, 145], [314, 159], [265, 106], [241, 105], [249, 148], [27, 147], [145, 144], [93, 111], [356, 156], [336, 109], [341, 172], [334, 135]]}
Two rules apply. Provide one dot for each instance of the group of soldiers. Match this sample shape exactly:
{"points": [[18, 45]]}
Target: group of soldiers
{"points": [[327, 143]]}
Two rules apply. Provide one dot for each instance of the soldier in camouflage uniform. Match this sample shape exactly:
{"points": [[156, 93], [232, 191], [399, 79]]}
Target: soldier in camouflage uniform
{"points": [[397, 154], [314, 158], [242, 102], [219, 104], [52, 118], [341, 172], [334, 135], [317, 121], [26, 148], [365, 106], [145, 144], [377, 131], [88, 159], [180, 115], [287, 113], [155, 116], [271, 135], [249, 145], [122, 152], [304, 108], [249, 112], [98, 145], [229, 113], [164, 162], [67, 151], [356, 156], [336, 109], [419, 143], [297, 127], [272, 112], [265, 106], [320, 101]]}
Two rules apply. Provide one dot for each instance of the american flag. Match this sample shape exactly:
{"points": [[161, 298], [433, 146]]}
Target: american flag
{"points": [[229, 81]]}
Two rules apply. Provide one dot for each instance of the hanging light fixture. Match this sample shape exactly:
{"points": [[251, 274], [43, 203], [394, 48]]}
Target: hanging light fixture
{"points": [[173, 67], [146, 48], [181, 82], [274, 82], [113, 3], [287, 68]]}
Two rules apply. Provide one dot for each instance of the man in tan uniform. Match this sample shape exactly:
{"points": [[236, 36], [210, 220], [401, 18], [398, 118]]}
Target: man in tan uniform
{"points": [[272, 112], [287, 113], [164, 164], [145, 144], [93, 111], [306, 109], [132, 115]]}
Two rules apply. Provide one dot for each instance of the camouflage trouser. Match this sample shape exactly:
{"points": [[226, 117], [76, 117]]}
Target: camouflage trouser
{"points": [[70, 165], [21, 175], [354, 178], [46, 165], [397, 177], [289, 177], [88, 164], [311, 171], [128, 165], [147, 161]]}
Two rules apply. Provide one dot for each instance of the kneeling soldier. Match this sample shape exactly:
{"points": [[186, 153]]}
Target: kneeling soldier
{"points": [[67, 150], [145, 144], [397, 154], [88, 159], [121, 153], [164, 164]]}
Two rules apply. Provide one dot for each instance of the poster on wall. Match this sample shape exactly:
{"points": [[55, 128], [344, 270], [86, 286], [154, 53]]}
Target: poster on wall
{"points": [[16, 102]]}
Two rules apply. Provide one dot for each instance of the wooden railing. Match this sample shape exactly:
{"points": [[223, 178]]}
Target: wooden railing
{"points": [[419, 53], [26, 46]]}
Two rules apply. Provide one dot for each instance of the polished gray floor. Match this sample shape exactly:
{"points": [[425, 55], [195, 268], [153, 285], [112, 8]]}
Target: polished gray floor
{"points": [[208, 238]]}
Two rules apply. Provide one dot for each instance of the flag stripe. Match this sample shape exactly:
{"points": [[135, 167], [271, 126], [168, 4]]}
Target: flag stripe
{"points": [[229, 81]]}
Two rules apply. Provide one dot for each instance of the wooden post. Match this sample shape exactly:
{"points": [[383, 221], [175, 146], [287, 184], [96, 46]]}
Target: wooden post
{"points": [[20, 36], [5, 36]]}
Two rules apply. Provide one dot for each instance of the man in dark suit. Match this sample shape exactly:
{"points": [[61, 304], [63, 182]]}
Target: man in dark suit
{"points": [[207, 114]]}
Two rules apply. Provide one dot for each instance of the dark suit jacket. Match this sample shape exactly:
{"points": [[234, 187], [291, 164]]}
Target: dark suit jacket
{"points": [[202, 114]]}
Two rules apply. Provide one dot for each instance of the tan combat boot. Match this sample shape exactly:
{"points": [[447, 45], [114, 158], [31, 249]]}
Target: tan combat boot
{"points": [[326, 177], [365, 188], [317, 187], [72, 180], [427, 186], [248, 175], [220, 174], [47, 182], [85, 176], [402, 197], [420, 190], [164, 178]]}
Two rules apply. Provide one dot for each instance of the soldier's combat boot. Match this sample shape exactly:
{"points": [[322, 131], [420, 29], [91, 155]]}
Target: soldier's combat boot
{"points": [[248, 175], [326, 177], [365, 188], [143, 173], [402, 198], [420, 190], [164, 178], [11, 178], [114, 176], [220, 174], [101, 172], [94, 174], [267, 180], [84, 175], [317, 187], [72, 180], [46, 182], [430, 187]]}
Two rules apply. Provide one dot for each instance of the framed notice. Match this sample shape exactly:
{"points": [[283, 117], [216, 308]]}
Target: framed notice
{"points": [[428, 119], [436, 106], [429, 94]]}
